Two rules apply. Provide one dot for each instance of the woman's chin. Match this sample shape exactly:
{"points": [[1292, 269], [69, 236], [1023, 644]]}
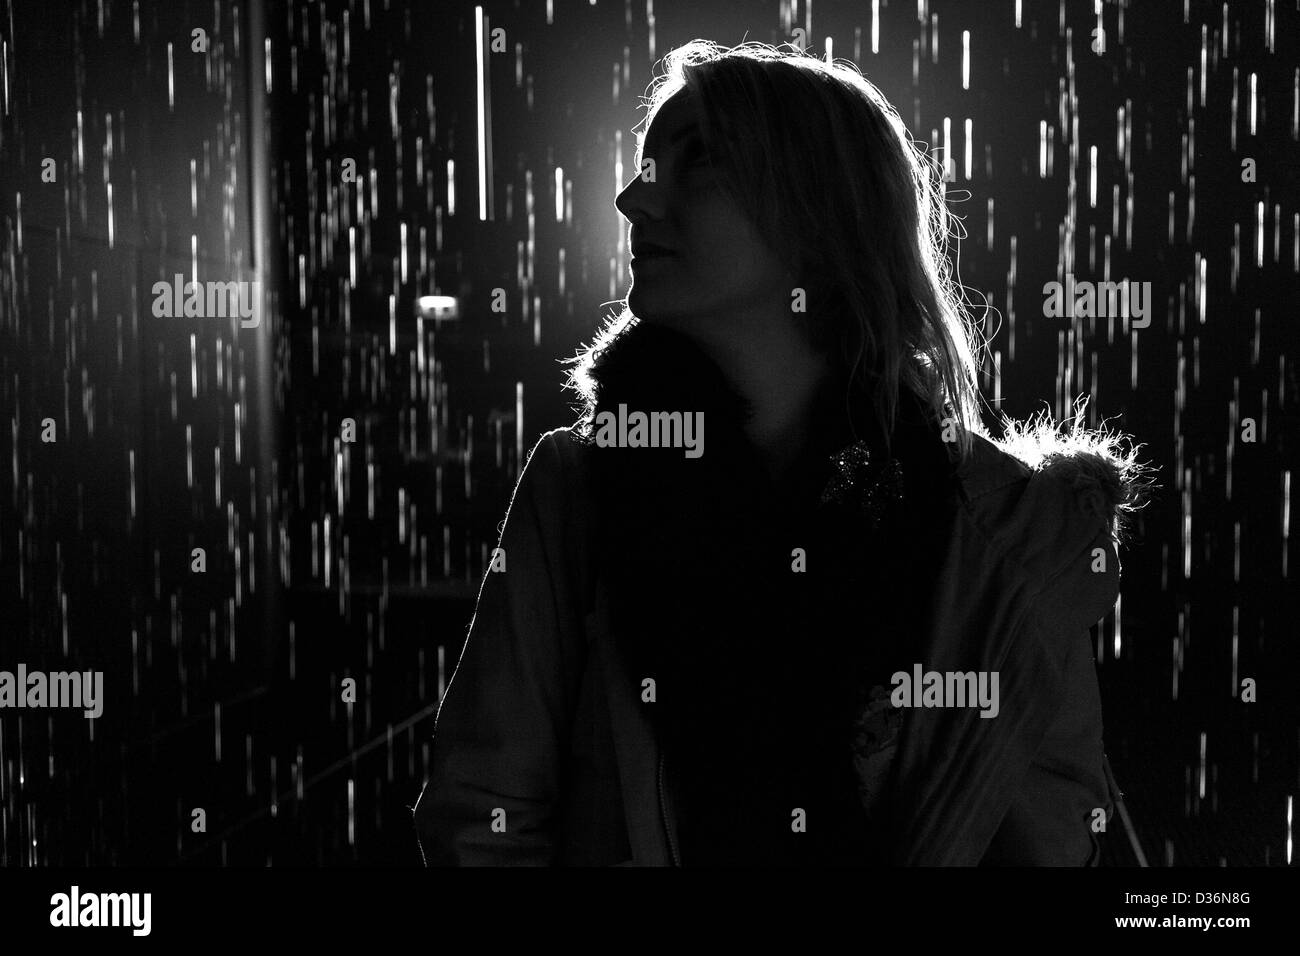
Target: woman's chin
{"points": [[643, 306], [666, 320], [651, 308]]}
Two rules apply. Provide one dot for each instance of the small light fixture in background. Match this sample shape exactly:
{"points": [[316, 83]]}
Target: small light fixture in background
{"points": [[438, 307]]}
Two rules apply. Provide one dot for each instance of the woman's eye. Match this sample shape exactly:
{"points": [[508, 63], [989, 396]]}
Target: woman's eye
{"points": [[693, 164]]}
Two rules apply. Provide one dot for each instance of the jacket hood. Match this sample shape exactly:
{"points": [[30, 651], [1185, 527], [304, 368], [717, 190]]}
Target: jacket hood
{"points": [[1099, 466]]}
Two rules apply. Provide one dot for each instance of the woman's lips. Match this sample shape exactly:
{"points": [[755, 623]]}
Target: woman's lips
{"points": [[651, 255]]}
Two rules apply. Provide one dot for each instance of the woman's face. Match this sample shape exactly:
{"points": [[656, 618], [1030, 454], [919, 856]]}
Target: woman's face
{"points": [[718, 268]]}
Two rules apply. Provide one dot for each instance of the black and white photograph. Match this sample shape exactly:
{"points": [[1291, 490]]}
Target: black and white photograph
{"points": [[745, 436]]}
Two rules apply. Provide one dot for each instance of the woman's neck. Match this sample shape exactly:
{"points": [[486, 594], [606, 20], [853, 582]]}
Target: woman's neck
{"points": [[781, 380]]}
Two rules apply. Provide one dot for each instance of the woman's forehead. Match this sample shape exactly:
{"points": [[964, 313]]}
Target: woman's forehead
{"points": [[673, 115]]}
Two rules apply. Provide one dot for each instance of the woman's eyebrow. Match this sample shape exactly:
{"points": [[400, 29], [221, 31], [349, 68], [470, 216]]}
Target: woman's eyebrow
{"points": [[690, 129]]}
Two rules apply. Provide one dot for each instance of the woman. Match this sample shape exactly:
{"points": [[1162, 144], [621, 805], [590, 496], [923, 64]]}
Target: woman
{"points": [[703, 654]]}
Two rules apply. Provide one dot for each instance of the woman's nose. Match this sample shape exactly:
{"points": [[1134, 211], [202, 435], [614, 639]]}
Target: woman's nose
{"points": [[640, 200]]}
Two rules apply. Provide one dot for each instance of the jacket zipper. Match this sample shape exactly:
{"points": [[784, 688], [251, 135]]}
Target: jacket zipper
{"points": [[663, 814]]}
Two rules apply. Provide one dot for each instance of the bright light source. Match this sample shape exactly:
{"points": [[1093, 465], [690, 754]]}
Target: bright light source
{"points": [[437, 307]]}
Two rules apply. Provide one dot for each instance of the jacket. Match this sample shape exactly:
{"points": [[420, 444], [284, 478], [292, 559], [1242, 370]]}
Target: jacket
{"points": [[543, 755]]}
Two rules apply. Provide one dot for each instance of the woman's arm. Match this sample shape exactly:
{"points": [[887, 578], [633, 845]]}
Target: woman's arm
{"points": [[502, 729], [1050, 821]]}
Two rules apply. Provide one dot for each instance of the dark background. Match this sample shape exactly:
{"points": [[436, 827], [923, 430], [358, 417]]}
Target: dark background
{"points": [[328, 560]]}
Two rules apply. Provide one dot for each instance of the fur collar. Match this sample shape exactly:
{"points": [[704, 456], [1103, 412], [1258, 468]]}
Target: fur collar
{"points": [[1100, 466], [633, 361]]}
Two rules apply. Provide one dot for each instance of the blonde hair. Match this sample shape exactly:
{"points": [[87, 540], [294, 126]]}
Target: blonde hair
{"points": [[822, 163]]}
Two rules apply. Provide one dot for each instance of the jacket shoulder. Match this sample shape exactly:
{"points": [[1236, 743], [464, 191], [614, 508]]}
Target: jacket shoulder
{"points": [[557, 485], [555, 462], [558, 472], [1045, 514], [564, 445]]}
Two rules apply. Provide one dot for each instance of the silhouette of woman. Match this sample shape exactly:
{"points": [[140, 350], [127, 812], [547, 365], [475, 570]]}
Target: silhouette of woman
{"points": [[701, 660]]}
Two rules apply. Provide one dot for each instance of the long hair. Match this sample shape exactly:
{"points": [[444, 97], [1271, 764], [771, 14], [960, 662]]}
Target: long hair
{"points": [[821, 162]]}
